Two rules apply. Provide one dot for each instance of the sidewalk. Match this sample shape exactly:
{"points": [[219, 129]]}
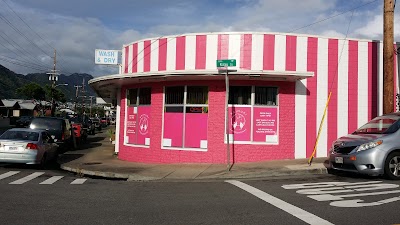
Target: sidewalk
{"points": [[100, 161]]}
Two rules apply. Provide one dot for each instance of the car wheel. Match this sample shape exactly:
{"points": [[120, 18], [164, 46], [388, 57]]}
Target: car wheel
{"points": [[392, 166]]}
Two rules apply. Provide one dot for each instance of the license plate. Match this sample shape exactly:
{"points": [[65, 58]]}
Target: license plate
{"points": [[338, 159], [12, 148]]}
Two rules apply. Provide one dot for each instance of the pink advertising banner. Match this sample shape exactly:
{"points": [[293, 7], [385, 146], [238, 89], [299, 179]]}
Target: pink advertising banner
{"points": [[195, 129], [131, 125], [173, 129], [240, 123], [265, 124], [143, 125]]}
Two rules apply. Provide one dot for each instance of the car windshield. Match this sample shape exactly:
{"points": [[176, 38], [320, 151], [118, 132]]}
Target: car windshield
{"points": [[380, 125], [20, 135], [46, 123], [75, 120]]}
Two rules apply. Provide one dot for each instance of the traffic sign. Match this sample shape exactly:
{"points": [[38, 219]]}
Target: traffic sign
{"points": [[226, 62]]}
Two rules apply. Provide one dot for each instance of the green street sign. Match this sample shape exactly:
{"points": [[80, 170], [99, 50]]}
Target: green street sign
{"points": [[226, 62]]}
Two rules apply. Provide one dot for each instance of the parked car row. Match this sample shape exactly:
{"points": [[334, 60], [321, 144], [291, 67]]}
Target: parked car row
{"points": [[38, 140]]}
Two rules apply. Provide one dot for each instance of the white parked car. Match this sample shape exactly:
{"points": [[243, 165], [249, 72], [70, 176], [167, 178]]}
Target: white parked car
{"points": [[27, 146]]}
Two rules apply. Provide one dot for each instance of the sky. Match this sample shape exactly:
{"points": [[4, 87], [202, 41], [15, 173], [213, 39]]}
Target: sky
{"points": [[30, 30]]}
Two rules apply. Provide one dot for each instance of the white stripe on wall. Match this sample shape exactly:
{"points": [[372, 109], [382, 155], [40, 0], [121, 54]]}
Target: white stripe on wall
{"points": [[257, 51], [154, 55], [123, 57], [322, 92], [397, 75], [140, 58], [280, 53], [234, 48], [342, 83], [380, 80], [190, 52], [130, 58], [301, 100], [211, 51], [171, 53], [362, 83]]}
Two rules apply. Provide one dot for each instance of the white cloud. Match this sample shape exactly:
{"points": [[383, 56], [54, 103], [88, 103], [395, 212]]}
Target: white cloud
{"points": [[76, 36]]}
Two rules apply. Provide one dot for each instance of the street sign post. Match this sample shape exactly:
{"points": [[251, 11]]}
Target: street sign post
{"points": [[227, 63]]}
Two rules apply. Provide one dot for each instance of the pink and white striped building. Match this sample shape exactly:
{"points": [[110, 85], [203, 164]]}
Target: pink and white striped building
{"points": [[171, 96]]}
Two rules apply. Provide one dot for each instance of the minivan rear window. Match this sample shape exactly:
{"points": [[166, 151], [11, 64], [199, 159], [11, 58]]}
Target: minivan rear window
{"points": [[46, 123]]}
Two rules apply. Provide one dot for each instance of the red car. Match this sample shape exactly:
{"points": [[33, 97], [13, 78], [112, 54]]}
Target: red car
{"points": [[103, 122], [79, 131]]}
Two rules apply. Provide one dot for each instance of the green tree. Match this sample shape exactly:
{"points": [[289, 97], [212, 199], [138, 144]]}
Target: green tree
{"points": [[54, 93], [32, 91]]}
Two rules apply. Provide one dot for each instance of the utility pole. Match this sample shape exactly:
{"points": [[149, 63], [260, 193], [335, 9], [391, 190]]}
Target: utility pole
{"points": [[388, 73], [91, 103], [83, 95], [76, 95], [53, 77]]}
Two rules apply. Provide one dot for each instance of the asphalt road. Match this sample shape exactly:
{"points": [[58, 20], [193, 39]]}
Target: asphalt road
{"points": [[33, 196], [278, 201]]}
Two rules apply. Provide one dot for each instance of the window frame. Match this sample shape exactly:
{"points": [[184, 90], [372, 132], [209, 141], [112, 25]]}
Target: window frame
{"points": [[184, 105], [252, 106], [127, 104]]}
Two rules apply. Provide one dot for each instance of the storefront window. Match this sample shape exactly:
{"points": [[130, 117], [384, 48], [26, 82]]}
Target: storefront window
{"points": [[174, 95], [145, 96], [266, 95], [185, 117], [132, 95], [197, 95], [253, 114], [240, 95], [138, 116]]}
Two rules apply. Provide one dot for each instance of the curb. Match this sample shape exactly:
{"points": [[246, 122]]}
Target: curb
{"points": [[110, 175], [139, 178]]}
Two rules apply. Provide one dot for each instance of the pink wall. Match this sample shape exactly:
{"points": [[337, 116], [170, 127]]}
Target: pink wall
{"points": [[216, 152]]}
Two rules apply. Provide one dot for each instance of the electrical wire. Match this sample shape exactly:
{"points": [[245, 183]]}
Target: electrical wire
{"points": [[22, 54], [331, 17], [18, 31], [21, 64], [311, 24]]}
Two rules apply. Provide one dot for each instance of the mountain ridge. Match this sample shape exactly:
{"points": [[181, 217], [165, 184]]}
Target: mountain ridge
{"points": [[10, 81]]}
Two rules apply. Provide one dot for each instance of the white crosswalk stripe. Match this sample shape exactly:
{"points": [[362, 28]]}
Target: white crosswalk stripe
{"points": [[8, 174], [78, 181], [32, 176], [52, 180], [27, 178]]}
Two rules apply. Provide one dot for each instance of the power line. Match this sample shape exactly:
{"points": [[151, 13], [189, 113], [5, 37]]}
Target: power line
{"points": [[22, 34], [27, 24], [331, 17], [21, 64], [18, 31], [311, 24], [19, 49], [37, 65]]}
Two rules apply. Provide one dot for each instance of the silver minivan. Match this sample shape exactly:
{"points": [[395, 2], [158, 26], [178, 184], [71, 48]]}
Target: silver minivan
{"points": [[373, 149]]}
